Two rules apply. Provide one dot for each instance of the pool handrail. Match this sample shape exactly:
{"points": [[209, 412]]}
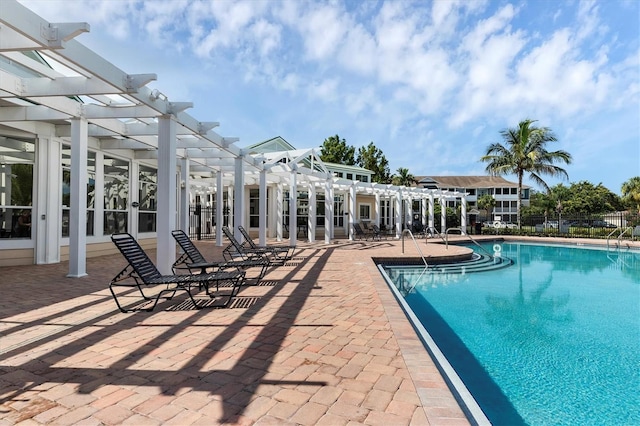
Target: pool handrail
{"points": [[446, 234], [407, 230], [619, 238]]}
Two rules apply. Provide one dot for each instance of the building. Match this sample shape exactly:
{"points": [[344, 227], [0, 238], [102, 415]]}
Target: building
{"points": [[504, 192], [88, 150]]}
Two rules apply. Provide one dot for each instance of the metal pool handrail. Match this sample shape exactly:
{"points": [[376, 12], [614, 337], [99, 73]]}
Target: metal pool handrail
{"points": [[416, 244], [469, 237]]}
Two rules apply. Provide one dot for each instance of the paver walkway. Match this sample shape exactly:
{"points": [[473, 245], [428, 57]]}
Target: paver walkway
{"points": [[321, 341]]}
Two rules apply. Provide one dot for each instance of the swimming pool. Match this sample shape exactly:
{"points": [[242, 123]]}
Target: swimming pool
{"points": [[553, 339]]}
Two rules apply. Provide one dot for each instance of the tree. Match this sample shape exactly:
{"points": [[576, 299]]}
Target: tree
{"points": [[487, 202], [403, 178], [372, 158], [336, 150], [631, 193], [524, 152]]}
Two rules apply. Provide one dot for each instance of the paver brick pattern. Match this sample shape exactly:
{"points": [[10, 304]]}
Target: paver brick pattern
{"points": [[321, 341]]}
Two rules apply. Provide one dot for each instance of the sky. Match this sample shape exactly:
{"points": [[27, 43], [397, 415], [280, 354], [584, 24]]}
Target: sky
{"points": [[430, 83]]}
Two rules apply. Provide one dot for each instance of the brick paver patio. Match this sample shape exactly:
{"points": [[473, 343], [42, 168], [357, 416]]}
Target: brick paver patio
{"points": [[320, 341]]}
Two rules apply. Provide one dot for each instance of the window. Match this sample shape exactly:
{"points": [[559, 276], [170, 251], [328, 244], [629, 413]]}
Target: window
{"points": [[147, 199], [66, 190], [364, 211], [472, 192], [499, 191], [254, 208], [514, 191], [116, 195], [17, 158], [350, 176]]}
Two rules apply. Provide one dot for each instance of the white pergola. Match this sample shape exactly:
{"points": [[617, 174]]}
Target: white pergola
{"points": [[87, 101]]}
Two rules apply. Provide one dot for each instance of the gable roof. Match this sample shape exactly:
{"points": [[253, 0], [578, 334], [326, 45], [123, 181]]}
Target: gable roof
{"points": [[468, 182], [271, 145]]}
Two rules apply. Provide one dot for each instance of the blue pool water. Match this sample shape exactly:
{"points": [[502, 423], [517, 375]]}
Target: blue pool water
{"points": [[552, 340]]}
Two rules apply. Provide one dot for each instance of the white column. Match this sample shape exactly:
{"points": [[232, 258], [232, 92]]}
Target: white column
{"points": [[398, 212], [134, 194], [231, 204], [271, 211], [431, 211], [219, 207], [238, 199], [293, 212], [311, 219], [99, 200], [377, 209], [443, 214], [423, 211], [279, 210], [262, 209], [352, 211], [166, 215], [78, 208], [328, 210], [463, 213], [46, 218], [184, 195]]}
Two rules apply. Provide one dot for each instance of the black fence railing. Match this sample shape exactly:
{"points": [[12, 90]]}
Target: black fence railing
{"points": [[578, 226], [202, 222]]}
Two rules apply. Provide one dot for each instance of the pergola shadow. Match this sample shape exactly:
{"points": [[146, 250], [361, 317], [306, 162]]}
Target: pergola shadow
{"points": [[235, 385]]}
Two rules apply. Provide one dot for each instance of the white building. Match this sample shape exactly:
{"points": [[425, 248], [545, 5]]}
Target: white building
{"points": [[504, 192]]}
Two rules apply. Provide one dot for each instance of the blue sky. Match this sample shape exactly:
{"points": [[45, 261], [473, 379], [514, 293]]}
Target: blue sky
{"points": [[429, 83]]}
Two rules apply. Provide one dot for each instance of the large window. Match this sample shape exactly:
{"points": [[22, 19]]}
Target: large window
{"points": [[147, 199], [116, 195], [254, 208], [364, 211], [66, 190], [17, 158]]}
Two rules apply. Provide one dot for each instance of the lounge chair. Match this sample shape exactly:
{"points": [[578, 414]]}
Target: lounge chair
{"points": [[141, 271], [279, 252], [377, 233], [235, 250], [192, 260], [360, 233]]}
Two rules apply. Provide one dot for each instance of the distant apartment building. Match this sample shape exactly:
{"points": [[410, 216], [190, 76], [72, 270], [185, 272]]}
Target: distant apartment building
{"points": [[504, 192]]}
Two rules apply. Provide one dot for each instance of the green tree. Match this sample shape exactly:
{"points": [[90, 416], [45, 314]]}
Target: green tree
{"points": [[336, 150], [631, 193], [403, 177], [487, 202], [524, 152], [372, 158], [586, 198]]}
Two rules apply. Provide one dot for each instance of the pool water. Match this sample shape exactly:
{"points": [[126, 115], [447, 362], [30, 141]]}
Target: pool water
{"points": [[553, 339]]}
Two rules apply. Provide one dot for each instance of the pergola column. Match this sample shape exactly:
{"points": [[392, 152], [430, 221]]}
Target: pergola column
{"points": [[463, 214], [293, 211], [279, 210], [262, 209], [443, 214], [166, 216], [352, 211], [328, 210], [78, 192], [432, 223], [376, 209], [238, 199], [184, 195], [219, 207], [398, 212], [423, 210], [311, 218]]}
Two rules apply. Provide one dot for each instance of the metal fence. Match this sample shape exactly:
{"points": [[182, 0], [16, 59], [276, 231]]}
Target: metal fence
{"points": [[611, 225], [202, 222]]}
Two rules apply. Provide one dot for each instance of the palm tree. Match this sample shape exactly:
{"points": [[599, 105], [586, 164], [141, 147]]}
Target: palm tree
{"points": [[403, 178], [631, 193], [487, 202], [524, 151]]}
